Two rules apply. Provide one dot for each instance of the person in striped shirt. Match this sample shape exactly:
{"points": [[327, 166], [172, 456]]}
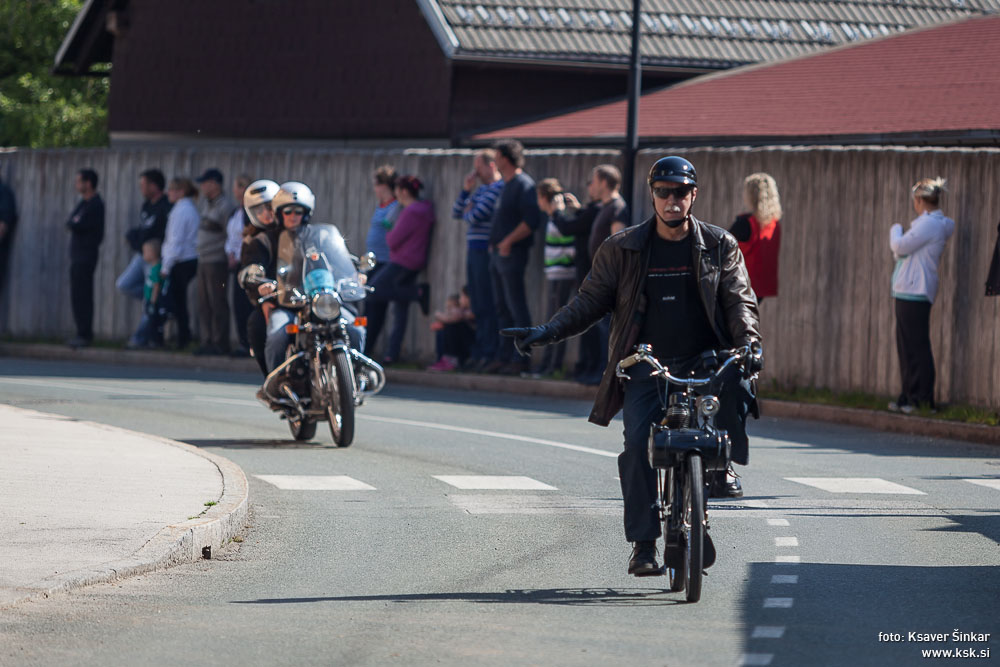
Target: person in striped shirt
{"points": [[475, 208], [560, 263]]}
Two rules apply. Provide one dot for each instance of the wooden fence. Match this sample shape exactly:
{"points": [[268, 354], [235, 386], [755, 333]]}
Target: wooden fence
{"points": [[832, 325]]}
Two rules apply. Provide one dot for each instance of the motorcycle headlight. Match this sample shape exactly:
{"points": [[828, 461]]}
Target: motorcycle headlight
{"points": [[708, 405], [326, 306]]}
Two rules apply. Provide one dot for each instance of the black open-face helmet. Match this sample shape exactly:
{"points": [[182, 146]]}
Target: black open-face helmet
{"points": [[673, 169]]}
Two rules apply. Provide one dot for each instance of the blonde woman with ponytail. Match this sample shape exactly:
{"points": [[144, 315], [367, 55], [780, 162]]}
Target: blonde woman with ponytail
{"points": [[759, 233], [914, 286]]}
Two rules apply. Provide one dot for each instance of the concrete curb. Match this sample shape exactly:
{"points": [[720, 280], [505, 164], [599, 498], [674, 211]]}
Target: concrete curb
{"points": [[179, 543], [873, 419]]}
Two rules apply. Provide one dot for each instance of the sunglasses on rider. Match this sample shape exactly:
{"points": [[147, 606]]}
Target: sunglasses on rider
{"points": [[679, 192], [293, 210]]}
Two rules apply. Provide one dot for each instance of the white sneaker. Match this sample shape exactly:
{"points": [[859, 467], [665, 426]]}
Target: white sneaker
{"points": [[907, 409]]}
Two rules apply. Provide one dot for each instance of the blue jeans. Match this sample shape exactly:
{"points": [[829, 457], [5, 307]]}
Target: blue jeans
{"points": [[132, 280], [477, 274], [397, 285], [510, 298]]}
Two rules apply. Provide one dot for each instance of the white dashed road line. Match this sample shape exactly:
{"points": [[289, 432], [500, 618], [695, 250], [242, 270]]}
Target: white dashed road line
{"points": [[494, 482], [756, 659], [787, 560], [777, 522], [856, 485], [768, 632], [786, 541], [785, 579], [989, 483], [315, 482], [778, 603]]}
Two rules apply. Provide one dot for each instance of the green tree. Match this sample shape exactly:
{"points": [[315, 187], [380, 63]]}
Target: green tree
{"points": [[37, 108]]}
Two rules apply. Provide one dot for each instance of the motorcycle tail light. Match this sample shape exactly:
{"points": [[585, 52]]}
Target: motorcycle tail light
{"points": [[292, 328], [360, 321]]}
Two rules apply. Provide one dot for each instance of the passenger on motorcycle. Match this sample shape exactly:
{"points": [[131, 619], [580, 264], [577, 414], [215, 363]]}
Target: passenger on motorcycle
{"points": [[681, 285], [293, 206], [259, 250]]}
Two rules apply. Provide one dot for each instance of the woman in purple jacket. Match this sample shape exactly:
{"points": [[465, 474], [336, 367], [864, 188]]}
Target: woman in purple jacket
{"points": [[397, 282]]}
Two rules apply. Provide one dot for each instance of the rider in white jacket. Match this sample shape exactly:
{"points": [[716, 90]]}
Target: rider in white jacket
{"points": [[914, 287]]}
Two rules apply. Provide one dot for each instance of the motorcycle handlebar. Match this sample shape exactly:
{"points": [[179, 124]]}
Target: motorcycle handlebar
{"points": [[644, 353]]}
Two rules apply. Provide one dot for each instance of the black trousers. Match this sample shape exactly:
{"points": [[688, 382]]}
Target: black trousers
{"points": [[181, 276], [81, 294], [916, 361], [256, 335], [241, 309], [643, 407]]}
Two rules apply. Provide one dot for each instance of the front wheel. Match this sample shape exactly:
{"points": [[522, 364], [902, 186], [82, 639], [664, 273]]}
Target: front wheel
{"points": [[694, 526], [302, 429], [340, 399]]}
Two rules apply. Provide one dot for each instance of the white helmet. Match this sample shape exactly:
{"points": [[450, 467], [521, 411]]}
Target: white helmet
{"points": [[294, 192], [257, 193]]}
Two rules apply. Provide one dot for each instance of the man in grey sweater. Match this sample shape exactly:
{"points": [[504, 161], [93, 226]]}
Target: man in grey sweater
{"points": [[214, 206]]}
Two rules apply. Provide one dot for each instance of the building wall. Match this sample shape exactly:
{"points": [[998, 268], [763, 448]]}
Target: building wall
{"points": [[486, 96], [262, 69], [832, 324]]}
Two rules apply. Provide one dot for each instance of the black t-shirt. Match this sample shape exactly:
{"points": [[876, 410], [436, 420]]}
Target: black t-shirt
{"points": [[676, 324], [614, 211], [152, 223], [86, 222], [517, 203]]}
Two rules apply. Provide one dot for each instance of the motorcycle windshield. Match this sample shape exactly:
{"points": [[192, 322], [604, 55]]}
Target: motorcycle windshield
{"points": [[312, 259]]}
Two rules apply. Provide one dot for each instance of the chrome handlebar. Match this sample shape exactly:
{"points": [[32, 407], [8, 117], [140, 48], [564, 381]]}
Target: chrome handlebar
{"points": [[644, 353]]}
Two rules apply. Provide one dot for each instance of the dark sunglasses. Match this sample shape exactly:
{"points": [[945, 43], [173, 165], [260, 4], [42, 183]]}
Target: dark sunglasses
{"points": [[293, 210], [680, 192]]}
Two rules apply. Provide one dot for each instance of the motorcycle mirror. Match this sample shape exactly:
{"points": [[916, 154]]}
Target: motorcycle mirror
{"points": [[367, 262]]}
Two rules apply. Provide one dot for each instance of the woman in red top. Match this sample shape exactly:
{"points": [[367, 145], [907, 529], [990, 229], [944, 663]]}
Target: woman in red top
{"points": [[759, 233], [409, 240]]}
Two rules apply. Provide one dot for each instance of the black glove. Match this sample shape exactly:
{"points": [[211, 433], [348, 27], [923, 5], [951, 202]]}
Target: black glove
{"points": [[527, 337], [755, 362]]}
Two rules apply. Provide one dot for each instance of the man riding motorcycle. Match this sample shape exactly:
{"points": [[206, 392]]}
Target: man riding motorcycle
{"points": [[681, 285]]}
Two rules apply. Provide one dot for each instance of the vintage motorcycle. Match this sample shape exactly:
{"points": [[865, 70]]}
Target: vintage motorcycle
{"points": [[324, 376]]}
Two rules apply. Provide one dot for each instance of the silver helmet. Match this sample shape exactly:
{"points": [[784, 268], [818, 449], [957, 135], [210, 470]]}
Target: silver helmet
{"points": [[294, 192], [259, 194]]}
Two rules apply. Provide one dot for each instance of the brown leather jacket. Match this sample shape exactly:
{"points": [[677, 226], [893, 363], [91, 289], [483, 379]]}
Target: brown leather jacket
{"points": [[615, 285]]}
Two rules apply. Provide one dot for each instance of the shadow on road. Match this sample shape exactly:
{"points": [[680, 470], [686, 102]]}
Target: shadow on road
{"points": [[554, 596], [250, 443], [834, 613]]}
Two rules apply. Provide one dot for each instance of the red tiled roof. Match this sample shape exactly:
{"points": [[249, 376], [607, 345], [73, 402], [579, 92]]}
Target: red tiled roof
{"points": [[941, 79]]}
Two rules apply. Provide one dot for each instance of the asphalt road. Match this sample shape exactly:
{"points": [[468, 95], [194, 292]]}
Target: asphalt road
{"points": [[411, 569]]}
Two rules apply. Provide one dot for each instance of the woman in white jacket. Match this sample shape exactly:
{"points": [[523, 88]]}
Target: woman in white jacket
{"points": [[914, 286], [179, 255]]}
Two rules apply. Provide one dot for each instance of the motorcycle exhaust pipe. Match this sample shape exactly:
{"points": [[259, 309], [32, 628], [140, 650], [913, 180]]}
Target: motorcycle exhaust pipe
{"points": [[273, 376], [377, 370]]}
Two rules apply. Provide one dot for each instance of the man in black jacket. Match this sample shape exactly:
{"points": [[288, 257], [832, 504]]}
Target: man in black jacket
{"points": [[679, 284], [8, 221], [86, 225], [152, 227]]}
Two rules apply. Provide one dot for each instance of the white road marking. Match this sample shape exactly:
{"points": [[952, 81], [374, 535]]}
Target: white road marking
{"points": [[778, 603], [786, 541], [494, 482], [785, 579], [81, 386], [777, 522], [787, 560], [229, 401], [855, 485], [768, 632], [534, 504], [315, 482], [756, 659], [491, 434], [990, 483]]}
